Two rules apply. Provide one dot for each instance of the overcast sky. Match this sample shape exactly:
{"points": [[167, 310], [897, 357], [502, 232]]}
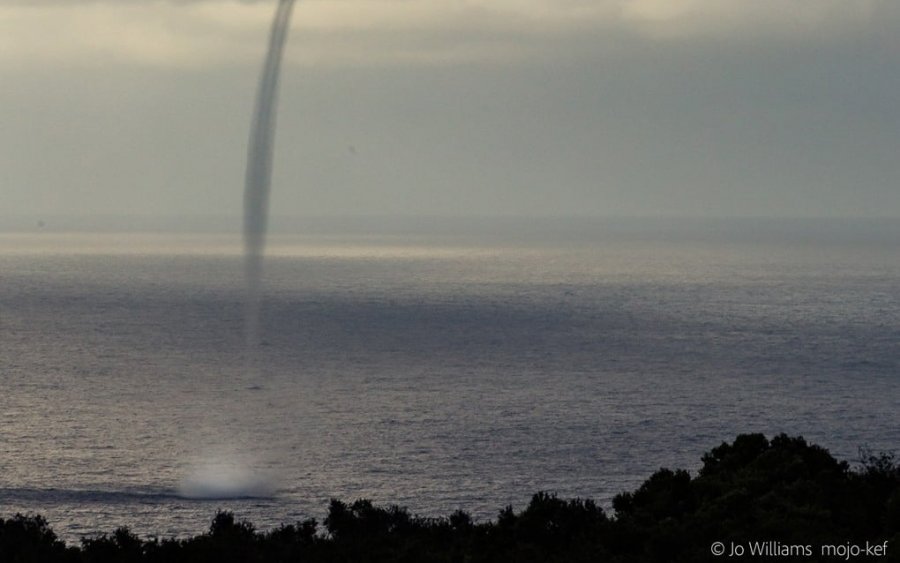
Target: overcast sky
{"points": [[456, 107]]}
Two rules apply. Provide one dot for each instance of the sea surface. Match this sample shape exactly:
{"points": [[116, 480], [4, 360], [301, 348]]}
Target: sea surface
{"points": [[434, 371]]}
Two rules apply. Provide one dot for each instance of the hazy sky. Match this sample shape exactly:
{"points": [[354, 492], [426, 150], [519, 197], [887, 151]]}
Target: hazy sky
{"points": [[455, 107]]}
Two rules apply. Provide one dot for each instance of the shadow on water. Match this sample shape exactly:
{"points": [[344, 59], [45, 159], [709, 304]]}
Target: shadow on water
{"points": [[51, 496]]}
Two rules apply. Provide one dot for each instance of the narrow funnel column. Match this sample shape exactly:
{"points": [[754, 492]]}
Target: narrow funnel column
{"points": [[259, 174]]}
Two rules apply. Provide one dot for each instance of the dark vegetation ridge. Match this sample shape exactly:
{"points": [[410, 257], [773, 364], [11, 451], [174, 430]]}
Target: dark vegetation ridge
{"points": [[782, 491]]}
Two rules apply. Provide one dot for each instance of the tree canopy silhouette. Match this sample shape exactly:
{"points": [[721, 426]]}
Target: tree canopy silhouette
{"points": [[782, 490]]}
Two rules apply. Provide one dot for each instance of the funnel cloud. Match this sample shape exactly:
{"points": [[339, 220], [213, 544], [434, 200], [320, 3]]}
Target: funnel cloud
{"points": [[259, 172]]}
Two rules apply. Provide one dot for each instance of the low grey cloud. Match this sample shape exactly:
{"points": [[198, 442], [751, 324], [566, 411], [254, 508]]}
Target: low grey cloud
{"points": [[622, 107], [197, 33]]}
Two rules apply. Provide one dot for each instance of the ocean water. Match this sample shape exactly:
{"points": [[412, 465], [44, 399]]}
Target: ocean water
{"points": [[434, 372]]}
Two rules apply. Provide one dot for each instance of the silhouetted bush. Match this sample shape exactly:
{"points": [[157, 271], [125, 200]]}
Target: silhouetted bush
{"points": [[122, 546], [752, 490], [28, 539]]}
